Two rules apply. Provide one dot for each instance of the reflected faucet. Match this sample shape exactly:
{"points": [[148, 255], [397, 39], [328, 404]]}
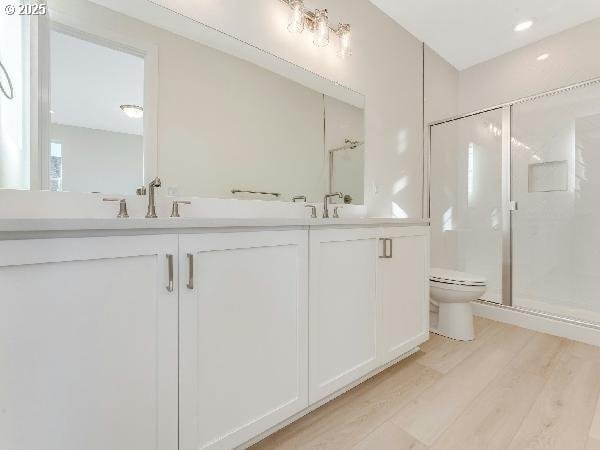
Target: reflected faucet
{"points": [[151, 214], [326, 203]]}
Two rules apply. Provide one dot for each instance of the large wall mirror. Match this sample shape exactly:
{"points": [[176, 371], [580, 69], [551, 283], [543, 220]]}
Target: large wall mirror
{"points": [[130, 90]]}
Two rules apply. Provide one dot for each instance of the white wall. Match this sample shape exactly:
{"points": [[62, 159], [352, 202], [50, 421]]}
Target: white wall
{"points": [[441, 87], [99, 160], [386, 66], [573, 58]]}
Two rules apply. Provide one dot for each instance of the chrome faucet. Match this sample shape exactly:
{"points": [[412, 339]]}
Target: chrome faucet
{"points": [[326, 203], [151, 214], [313, 211]]}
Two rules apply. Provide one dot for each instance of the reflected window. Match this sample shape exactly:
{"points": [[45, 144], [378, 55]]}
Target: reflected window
{"points": [[55, 166], [96, 114]]}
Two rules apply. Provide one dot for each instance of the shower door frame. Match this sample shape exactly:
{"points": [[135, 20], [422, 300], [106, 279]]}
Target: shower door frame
{"points": [[509, 205]]}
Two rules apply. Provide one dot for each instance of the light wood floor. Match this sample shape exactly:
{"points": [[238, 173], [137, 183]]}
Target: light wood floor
{"points": [[511, 388]]}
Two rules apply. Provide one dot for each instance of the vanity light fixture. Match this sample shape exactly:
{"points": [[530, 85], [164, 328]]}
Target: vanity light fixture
{"points": [[317, 22], [524, 25], [133, 111], [296, 24], [321, 38], [345, 36]]}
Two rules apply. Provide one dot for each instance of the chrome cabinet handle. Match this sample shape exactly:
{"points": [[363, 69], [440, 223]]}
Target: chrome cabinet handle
{"points": [[391, 255], [170, 268], [190, 283], [385, 254]]}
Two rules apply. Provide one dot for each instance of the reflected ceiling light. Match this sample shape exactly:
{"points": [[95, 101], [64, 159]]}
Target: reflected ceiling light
{"points": [[51, 111], [296, 24], [543, 57], [524, 25], [133, 111], [317, 22]]}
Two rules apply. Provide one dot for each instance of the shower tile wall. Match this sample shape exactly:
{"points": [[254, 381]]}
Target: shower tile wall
{"points": [[466, 232], [556, 234], [556, 230]]}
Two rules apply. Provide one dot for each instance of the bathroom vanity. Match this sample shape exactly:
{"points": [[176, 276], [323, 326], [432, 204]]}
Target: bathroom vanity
{"points": [[197, 333], [188, 332]]}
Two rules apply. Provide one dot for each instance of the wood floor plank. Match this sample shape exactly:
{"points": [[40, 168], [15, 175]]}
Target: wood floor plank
{"points": [[593, 444], [561, 417], [389, 437], [450, 353], [371, 404], [432, 412], [513, 389], [492, 419], [595, 427], [434, 341]]}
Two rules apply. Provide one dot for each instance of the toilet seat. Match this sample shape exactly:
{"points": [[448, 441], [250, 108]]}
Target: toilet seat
{"points": [[453, 277]]}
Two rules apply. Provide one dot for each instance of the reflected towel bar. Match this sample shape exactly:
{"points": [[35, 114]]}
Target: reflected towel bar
{"points": [[240, 191]]}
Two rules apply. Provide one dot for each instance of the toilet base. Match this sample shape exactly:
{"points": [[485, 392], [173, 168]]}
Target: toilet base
{"points": [[455, 321]]}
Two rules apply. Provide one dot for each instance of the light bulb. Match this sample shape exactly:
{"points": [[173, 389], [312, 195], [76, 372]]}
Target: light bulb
{"points": [[296, 24], [345, 36], [321, 29]]}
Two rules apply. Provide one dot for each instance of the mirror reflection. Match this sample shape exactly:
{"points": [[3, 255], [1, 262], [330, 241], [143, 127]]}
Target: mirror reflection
{"points": [[96, 115], [134, 100]]}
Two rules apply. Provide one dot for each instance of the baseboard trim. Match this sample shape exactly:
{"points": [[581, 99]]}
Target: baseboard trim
{"points": [[535, 321], [327, 399]]}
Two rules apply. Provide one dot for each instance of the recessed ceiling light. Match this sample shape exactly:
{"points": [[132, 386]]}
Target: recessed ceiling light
{"points": [[543, 57], [133, 111], [524, 25]]}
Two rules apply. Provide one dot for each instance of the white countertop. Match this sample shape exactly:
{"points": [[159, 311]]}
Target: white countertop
{"points": [[74, 224]]}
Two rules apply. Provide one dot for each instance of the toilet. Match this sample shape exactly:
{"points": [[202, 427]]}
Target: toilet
{"points": [[451, 295]]}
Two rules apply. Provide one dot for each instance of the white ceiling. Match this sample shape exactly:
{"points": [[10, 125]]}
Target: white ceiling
{"points": [[89, 82], [467, 32]]}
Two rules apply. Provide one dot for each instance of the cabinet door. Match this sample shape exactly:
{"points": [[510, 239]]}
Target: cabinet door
{"points": [[88, 344], [243, 335], [404, 290], [343, 308]]}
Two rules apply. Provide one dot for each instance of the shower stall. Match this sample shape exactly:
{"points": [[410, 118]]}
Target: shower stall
{"points": [[513, 193]]}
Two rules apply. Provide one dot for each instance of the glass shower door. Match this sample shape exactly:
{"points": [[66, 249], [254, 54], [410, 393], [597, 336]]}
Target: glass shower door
{"points": [[466, 169], [555, 148]]}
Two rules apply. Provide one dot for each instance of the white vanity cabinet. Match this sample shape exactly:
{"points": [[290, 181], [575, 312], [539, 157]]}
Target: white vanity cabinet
{"points": [[403, 290], [369, 301], [343, 307], [198, 339], [88, 343], [243, 334]]}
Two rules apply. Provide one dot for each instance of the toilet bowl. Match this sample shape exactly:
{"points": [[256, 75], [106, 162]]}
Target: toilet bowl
{"points": [[451, 294]]}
